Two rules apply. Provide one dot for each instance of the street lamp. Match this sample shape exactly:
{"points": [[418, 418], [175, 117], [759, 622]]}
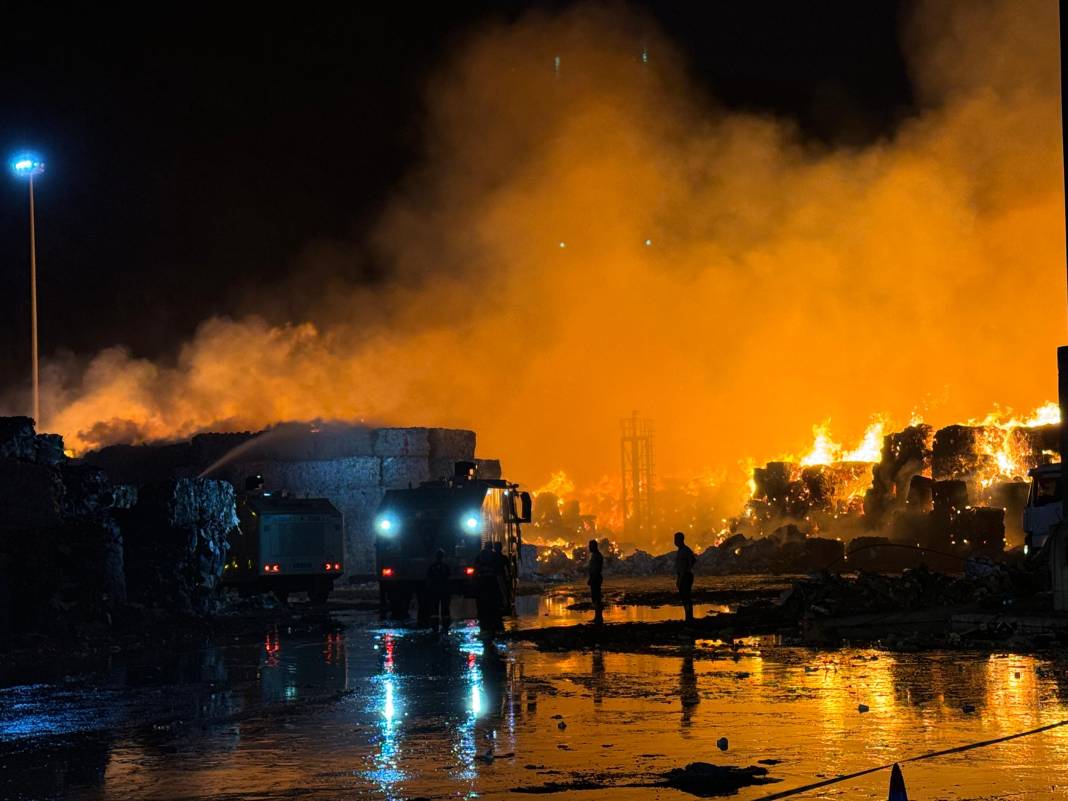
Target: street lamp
{"points": [[27, 165]]}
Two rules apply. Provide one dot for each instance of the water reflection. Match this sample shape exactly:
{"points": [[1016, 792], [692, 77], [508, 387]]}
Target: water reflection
{"points": [[688, 696], [457, 688], [391, 712]]}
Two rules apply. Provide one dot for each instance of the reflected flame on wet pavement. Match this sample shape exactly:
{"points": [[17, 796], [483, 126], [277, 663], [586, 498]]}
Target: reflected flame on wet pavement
{"points": [[393, 712]]}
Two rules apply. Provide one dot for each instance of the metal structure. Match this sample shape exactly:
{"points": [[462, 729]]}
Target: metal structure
{"points": [[636, 463], [29, 166]]}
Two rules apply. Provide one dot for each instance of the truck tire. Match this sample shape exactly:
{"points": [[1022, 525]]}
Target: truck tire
{"points": [[320, 591], [400, 598]]}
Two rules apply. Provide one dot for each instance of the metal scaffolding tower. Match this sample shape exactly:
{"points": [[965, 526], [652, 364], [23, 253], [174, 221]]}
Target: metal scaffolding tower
{"points": [[636, 460]]}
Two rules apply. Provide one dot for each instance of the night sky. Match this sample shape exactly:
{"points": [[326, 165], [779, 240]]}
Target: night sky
{"points": [[193, 158]]}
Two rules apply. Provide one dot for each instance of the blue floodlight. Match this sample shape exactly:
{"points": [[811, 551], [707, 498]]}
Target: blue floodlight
{"points": [[386, 525], [471, 523], [25, 165]]}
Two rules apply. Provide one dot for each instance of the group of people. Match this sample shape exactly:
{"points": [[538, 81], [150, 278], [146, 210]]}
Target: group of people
{"points": [[685, 559], [493, 577]]}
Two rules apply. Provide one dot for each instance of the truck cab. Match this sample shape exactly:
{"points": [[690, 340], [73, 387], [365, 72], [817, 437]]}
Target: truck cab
{"points": [[459, 516], [1044, 508]]}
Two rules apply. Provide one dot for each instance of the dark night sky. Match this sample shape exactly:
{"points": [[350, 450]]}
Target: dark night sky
{"points": [[193, 156]]}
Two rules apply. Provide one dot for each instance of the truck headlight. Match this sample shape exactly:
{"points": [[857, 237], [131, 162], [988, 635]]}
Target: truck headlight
{"points": [[471, 523], [386, 525]]}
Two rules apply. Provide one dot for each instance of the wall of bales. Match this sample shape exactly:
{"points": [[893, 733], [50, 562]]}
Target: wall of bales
{"points": [[350, 465]]}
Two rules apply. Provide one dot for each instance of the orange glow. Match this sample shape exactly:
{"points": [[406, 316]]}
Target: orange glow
{"points": [[785, 281], [387, 572]]}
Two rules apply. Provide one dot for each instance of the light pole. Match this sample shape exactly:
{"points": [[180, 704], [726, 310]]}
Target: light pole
{"points": [[27, 166]]}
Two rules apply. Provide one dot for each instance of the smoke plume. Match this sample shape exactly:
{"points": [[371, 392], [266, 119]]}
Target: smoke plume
{"points": [[593, 235]]}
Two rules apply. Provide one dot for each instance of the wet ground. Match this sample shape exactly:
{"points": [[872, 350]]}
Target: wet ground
{"points": [[381, 711]]}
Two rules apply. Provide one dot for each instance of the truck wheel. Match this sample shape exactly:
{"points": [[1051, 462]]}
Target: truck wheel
{"points": [[320, 591], [399, 601]]}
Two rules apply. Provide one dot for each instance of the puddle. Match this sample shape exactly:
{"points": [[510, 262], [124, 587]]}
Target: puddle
{"points": [[376, 711]]}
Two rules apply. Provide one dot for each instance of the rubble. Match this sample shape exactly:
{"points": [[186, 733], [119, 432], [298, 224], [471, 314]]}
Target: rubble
{"points": [[175, 543], [60, 548]]}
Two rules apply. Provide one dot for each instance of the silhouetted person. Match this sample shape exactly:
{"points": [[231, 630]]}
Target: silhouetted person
{"points": [[438, 576], [596, 578], [684, 562], [487, 588]]}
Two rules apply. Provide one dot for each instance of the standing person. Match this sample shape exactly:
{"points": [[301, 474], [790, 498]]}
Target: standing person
{"points": [[487, 588], [596, 568], [684, 562], [437, 585]]}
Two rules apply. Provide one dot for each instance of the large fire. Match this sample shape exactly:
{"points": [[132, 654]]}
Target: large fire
{"points": [[582, 241], [1000, 449]]}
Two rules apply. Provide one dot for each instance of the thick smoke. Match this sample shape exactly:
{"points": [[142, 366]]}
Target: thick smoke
{"points": [[594, 235]]}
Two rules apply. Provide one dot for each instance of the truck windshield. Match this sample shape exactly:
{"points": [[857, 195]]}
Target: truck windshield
{"points": [[1045, 490]]}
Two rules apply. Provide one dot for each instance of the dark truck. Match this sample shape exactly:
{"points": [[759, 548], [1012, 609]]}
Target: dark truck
{"points": [[457, 515], [285, 545]]}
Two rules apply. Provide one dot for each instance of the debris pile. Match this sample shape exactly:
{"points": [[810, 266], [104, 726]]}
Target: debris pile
{"points": [[61, 560], [984, 585], [75, 549], [175, 542]]}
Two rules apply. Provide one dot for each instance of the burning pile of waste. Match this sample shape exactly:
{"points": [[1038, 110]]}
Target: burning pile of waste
{"points": [[945, 493], [961, 485]]}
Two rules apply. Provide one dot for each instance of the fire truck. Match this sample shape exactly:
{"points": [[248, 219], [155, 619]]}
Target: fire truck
{"points": [[1044, 509], [285, 545], [458, 515]]}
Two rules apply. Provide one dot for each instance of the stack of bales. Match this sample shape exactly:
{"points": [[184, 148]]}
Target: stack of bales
{"points": [[60, 547], [784, 492], [905, 455], [176, 537]]}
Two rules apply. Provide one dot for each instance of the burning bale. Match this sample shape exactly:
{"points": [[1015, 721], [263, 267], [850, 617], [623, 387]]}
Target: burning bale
{"points": [[959, 452], [904, 455], [837, 486]]}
